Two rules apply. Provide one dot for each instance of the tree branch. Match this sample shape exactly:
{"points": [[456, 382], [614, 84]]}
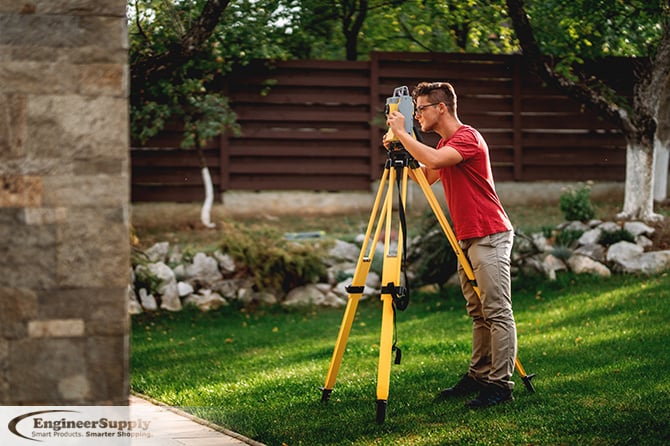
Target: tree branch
{"points": [[151, 68], [543, 68]]}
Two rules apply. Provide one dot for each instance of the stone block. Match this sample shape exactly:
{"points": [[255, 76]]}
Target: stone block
{"points": [[93, 251], [102, 79], [70, 7], [108, 366], [17, 307], [20, 191], [38, 367], [103, 309], [44, 216], [62, 31], [56, 328], [37, 77], [107, 166], [68, 127], [12, 123], [29, 256], [85, 191], [4, 364]]}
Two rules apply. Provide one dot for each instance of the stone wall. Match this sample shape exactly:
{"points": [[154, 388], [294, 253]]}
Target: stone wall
{"points": [[64, 201]]}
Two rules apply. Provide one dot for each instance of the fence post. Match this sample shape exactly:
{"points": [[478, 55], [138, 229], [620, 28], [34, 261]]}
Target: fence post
{"points": [[224, 164], [516, 118]]}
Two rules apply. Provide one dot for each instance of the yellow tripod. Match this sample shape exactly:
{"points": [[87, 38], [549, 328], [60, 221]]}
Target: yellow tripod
{"points": [[397, 168]]}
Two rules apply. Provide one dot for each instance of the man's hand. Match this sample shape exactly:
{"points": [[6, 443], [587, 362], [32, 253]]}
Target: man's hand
{"points": [[396, 121]]}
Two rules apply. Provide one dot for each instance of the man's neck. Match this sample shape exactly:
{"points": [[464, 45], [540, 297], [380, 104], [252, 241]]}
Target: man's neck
{"points": [[448, 126]]}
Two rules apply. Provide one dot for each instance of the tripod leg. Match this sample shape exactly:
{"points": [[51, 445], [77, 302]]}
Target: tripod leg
{"points": [[356, 289], [390, 280], [460, 255]]}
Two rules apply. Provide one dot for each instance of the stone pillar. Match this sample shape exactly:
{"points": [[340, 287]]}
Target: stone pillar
{"points": [[64, 203]]}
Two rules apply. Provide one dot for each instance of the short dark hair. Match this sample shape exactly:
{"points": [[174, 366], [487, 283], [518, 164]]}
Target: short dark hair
{"points": [[437, 92]]}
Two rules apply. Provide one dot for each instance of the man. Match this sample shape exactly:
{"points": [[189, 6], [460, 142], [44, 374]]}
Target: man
{"points": [[461, 161]]}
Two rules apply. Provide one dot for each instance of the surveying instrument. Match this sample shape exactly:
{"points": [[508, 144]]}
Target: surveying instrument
{"points": [[394, 295]]}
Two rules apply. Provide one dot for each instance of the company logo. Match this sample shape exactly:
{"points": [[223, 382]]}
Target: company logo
{"points": [[43, 425]]}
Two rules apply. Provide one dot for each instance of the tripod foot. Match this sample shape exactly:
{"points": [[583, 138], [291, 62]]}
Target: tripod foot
{"points": [[381, 411], [325, 394], [526, 381]]}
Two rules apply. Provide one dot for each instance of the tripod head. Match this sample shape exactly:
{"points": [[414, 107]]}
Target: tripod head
{"points": [[402, 102]]}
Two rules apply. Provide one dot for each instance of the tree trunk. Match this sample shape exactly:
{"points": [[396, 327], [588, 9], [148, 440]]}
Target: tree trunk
{"points": [[638, 197], [206, 210], [662, 156]]}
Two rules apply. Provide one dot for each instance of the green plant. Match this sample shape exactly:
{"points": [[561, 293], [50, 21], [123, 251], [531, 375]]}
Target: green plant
{"points": [[275, 263], [567, 237], [145, 279], [575, 203], [608, 238]]}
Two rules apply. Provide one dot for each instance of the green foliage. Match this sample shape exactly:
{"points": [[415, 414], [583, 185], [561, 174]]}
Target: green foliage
{"points": [[275, 263], [567, 237], [145, 279], [191, 94], [575, 203], [595, 345], [608, 238]]}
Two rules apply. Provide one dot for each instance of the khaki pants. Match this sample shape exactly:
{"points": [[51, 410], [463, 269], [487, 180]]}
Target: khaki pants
{"points": [[493, 328]]}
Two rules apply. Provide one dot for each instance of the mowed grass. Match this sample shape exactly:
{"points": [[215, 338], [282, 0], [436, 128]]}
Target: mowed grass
{"points": [[599, 347]]}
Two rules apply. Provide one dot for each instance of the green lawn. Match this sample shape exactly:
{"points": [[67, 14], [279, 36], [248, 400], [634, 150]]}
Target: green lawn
{"points": [[600, 349]]}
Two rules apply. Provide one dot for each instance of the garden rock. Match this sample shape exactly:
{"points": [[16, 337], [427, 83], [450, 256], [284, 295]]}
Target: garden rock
{"points": [[226, 262], [551, 264], [623, 250], [134, 306], [590, 237], [344, 251], [647, 263], [581, 264], [311, 295], [206, 300], [148, 301], [168, 286], [158, 252], [204, 270], [638, 228], [592, 250], [184, 289]]}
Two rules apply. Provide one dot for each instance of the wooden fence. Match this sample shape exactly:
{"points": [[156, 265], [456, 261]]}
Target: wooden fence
{"points": [[317, 125]]}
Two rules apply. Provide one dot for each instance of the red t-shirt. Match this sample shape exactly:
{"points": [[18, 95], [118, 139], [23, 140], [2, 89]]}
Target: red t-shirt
{"points": [[473, 203]]}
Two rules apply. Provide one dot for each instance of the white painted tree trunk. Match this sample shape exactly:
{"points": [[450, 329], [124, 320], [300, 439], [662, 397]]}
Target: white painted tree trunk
{"points": [[662, 156], [206, 211], [638, 194]]}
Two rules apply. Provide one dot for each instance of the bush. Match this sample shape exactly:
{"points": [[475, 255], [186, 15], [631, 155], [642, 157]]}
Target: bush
{"points": [[576, 203], [275, 263], [608, 238], [568, 237]]}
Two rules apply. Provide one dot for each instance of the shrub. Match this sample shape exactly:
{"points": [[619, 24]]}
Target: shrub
{"points": [[567, 238], [275, 263], [575, 203], [608, 238]]}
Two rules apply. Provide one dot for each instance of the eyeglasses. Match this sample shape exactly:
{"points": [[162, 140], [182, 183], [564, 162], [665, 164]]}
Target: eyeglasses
{"points": [[421, 108]]}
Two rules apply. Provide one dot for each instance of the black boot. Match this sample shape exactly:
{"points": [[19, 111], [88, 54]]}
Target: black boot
{"points": [[467, 385], [491, 395]]}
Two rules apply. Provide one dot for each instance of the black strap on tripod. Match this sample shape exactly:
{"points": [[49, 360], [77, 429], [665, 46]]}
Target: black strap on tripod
{"points": [[401, 297]]}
